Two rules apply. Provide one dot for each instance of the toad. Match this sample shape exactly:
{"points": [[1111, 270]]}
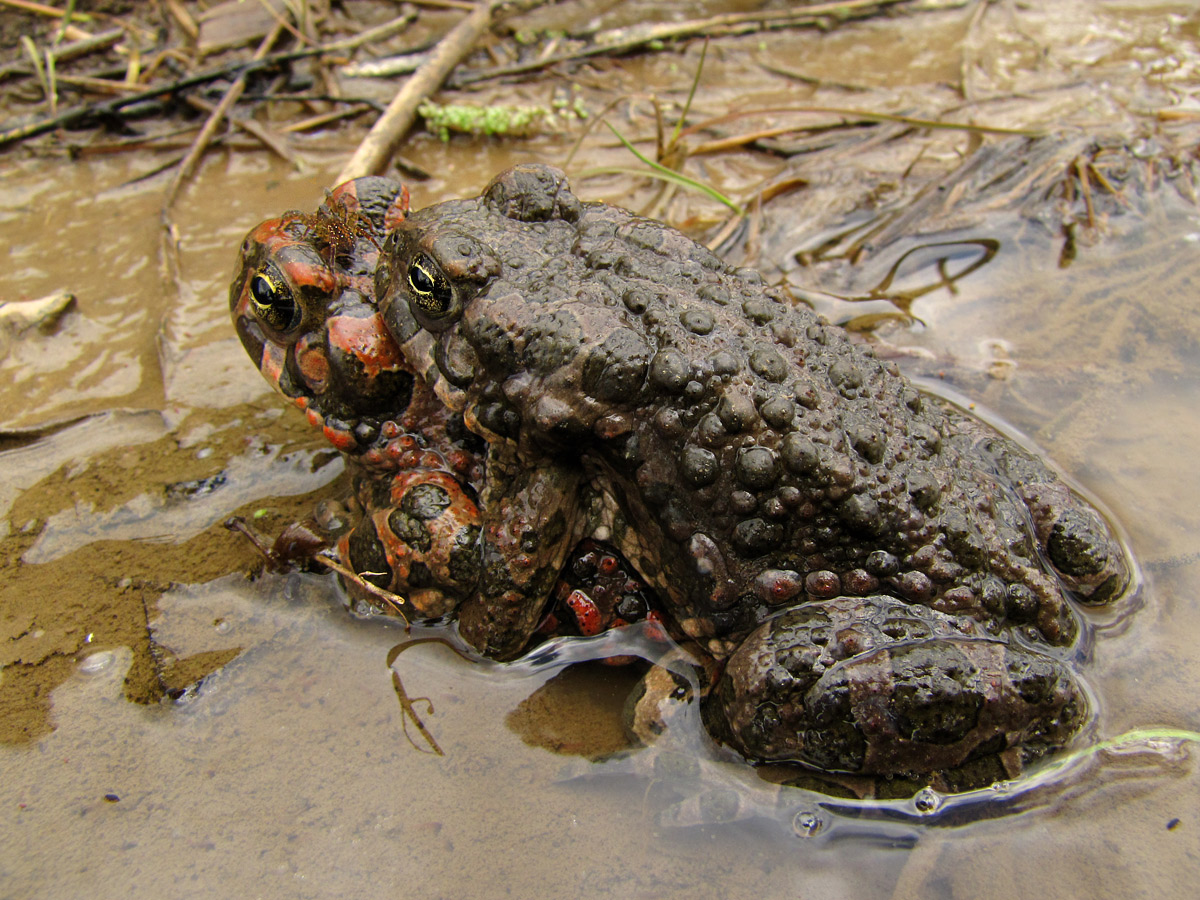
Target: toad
{"points": [[885, 583]]}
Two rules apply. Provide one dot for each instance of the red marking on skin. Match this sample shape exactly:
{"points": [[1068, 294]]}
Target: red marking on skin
{"points": [[389, 430], [306, 273], [272, 234], [364, 284], [404, 481], [611, 427], [313, 364], [373, 457], [587, 614], [315, 419], [271, 364], [367, 340], [344, 195], [342, 440], [782, 589], [654, 626], [461, 460], [397, 212], [608, 565]]}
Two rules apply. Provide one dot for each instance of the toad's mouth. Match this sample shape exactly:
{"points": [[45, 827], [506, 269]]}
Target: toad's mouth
{"points": [[347, 377]]}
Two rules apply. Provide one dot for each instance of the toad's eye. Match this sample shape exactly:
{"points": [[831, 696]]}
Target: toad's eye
{"points": [[272, 300], [433, 298]]}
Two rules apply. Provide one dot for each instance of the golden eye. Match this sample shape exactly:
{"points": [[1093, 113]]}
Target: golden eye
{"points": [[272, 300], [431, 289]]}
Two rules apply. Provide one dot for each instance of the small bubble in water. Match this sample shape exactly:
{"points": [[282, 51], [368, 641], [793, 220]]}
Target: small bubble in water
{"points": [[806, 823], [96, 662], [222, 626], [927, 800]]}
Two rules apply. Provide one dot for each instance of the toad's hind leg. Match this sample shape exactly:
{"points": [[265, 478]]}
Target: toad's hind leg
{"points": [[530, 521], [1071, 533], [872, 685]]}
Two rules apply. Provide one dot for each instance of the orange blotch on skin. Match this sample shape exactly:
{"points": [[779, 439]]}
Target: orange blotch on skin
{"points": [[367, 340]]}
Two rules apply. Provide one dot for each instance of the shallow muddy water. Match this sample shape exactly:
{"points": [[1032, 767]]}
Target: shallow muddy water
{"points": [[172, 727]]}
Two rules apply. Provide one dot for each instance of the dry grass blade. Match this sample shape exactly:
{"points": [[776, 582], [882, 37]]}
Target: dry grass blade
{"points": [[43, 10], [737, 141], [779, 188], [104, 86], [184, 19], [35, 60], [662, 173]]}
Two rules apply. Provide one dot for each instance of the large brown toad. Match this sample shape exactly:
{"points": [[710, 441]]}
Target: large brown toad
{"points": [[884, 579]]}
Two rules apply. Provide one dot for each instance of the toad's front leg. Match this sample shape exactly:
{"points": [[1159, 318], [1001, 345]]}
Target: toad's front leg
{"points": [[530, 520]]}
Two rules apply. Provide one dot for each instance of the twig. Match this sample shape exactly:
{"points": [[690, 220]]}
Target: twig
{"points": [[406, 704], [378, 33], [109, 109], [388, 131], [98, 112], [622, 40], [394, 602], [269, 140], [188, 166], [325, 118]]}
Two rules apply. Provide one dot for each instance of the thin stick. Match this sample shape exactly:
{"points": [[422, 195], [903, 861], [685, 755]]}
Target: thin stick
{"points": [[394, 602], [188, 166], [622, 40], [389, 130], [268, 140], [326, 118]]}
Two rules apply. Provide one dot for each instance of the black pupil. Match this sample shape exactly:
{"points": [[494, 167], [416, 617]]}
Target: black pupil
{"points": [[263, 290], [273, 302], [420, 279]]}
